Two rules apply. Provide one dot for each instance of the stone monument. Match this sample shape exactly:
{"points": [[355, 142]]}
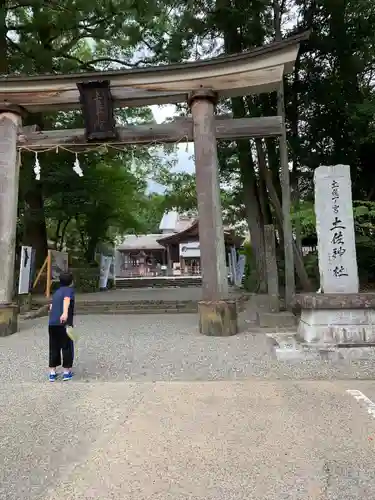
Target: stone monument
{"points": [[335, 230], [340, 315]]}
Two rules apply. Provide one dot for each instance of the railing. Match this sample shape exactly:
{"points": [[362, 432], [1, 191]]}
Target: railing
{"points": [[136, 272]]}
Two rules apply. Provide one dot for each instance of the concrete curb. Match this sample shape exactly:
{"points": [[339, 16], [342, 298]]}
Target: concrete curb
{"points": [[37, 313]]}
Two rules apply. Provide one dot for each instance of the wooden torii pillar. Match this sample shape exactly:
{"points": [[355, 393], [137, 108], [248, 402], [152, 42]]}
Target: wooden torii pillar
{"points": [[217, 314], [10, 122], [201, 83]]}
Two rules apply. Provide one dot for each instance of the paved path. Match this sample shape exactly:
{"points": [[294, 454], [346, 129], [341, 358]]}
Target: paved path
{"points": [[159, 412]]}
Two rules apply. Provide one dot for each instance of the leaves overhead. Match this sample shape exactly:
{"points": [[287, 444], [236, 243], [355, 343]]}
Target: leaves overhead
{"points": [[329, 98], [71, 36]]}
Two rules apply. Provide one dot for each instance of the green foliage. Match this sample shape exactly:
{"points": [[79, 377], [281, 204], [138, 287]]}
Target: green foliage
{"points": [[86, 280], [329, 98], [37, 36], [180, 190], [336, 101], [364, 219], [83, 211], [304, 219], [364, 223], [150, 211]]}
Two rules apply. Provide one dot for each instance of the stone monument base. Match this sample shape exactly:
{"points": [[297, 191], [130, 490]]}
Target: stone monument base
{"points": [[25, 303], [337, 319], [218, 318], [8, 319]]}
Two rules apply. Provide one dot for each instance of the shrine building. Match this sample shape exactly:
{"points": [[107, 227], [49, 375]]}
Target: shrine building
{"points": [[174, 251]]}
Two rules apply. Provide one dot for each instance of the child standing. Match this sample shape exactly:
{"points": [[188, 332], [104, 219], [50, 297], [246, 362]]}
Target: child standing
{"points": [[61, 317]]}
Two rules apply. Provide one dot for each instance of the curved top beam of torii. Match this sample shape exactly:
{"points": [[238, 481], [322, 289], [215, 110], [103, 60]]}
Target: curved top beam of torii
{"points": [[253, 72]]}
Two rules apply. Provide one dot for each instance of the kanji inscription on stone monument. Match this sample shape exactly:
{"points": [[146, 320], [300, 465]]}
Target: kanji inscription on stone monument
{"points": [[335, 230]]}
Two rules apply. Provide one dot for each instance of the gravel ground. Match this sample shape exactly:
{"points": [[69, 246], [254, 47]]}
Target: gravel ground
{"points": [[159, 412], [161, 347]]}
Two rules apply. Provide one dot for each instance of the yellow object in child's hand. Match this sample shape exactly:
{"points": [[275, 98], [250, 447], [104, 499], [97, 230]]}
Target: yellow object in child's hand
{"points": [[72, 333]]}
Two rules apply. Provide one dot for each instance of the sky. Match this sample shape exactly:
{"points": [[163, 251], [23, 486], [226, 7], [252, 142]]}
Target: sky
{"points": [[184, 152]]}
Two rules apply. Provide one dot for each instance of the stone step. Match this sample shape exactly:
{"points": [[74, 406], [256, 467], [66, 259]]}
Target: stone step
{"points": [[129, 307], [141, 307], [288, 348], [284, 338], [180, 282], [296, 355], [301, 354], [121, 309], [132, 306], [136, 304], [283, 319], [125, 312]]}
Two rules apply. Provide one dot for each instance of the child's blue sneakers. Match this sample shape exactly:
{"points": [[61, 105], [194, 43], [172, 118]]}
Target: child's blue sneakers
{"points": [[67, 376]]}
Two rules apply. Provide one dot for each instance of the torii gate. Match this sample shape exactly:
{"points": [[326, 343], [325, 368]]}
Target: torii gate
{"points": [[200, 84]]}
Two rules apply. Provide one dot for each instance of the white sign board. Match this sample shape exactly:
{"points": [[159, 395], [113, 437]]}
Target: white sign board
{"points": [[335, 230], [232, 264], [190, 250], [236, 266], [240, 269], [59, 264], [25, 270]]}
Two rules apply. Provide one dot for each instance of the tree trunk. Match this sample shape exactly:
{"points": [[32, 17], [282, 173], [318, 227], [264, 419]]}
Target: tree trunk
{"points": [[63, 232], [233, 42], [263, 195], [57, 235], [251, 199], [298, 260], [3, 38], [295, 146], [253, 212], [296, 204], [35, 228], [91, 249], [289, 267], [35, 231], [273, 163]]}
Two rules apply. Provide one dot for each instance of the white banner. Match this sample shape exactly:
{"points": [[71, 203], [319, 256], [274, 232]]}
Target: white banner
{"points": [[240, 269], [233, 262], [111, 273], [25, 270], [105, 266]]}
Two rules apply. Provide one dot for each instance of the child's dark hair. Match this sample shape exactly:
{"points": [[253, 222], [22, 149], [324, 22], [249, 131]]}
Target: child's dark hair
{"points": [[66, 279]]}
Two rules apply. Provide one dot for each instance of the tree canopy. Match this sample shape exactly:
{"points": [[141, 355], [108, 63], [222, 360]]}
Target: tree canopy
{"points": [[329, 100]]}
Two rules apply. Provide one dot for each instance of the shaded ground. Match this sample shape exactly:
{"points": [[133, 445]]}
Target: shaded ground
{"points": [[159, 412]]}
